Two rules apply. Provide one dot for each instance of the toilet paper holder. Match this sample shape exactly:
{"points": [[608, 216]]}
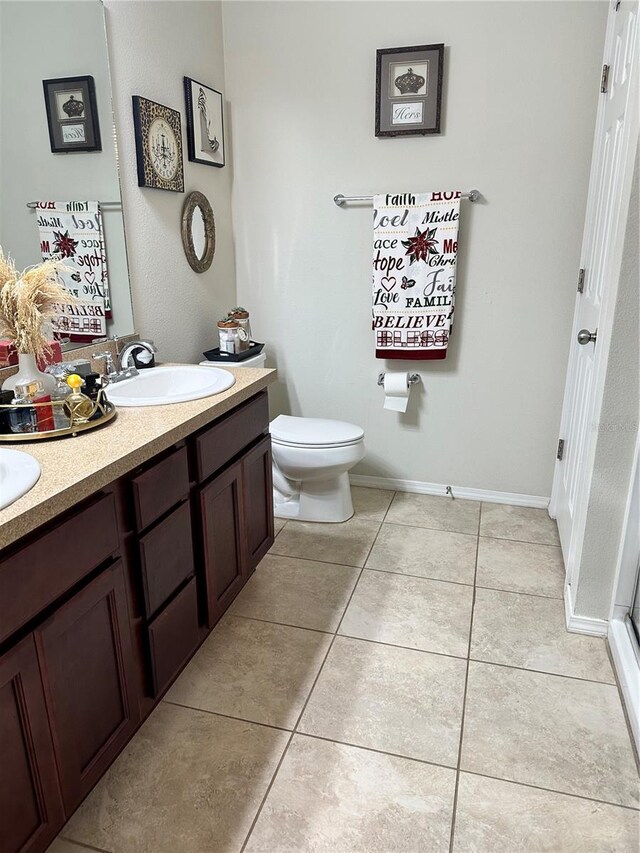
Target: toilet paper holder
{"points": [[412, 379]]}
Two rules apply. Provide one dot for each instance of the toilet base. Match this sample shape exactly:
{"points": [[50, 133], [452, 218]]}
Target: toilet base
{"points": [[318, 500]]}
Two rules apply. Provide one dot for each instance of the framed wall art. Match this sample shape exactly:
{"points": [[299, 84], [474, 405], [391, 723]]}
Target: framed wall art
{"points": [[158, 132], [72, 114], [205, 123], [409, 90]]}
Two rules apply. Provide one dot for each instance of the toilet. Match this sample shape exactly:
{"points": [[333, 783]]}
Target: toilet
{"points": [[311, 461]]}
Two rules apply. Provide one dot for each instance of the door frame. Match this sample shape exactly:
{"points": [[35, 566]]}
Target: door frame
{"points": [[605, 325], [625, 650]]}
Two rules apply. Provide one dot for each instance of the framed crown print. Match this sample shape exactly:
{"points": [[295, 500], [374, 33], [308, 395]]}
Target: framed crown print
{"points": [[409, 90], [72, 114], [158, 132], [205, 123]]}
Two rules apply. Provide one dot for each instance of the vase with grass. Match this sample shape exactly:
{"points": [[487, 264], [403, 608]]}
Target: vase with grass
{"points": [[28, 302]]}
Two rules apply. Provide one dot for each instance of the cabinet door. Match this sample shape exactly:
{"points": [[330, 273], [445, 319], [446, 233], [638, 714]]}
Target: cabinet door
{"points": [[224, 552], [257, 481], [30, 803], [86, 661]]}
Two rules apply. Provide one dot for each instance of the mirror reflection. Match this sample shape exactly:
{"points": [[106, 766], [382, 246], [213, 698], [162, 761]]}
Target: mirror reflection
{"points": [[60, 190], [198, 233]]}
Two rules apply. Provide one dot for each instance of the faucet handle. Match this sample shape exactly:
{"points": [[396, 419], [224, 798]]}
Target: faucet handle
{"points": [[109, 366]]}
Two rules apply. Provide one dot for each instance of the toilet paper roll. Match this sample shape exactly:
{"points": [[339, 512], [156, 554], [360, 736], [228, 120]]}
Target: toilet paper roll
{"points": [[396, 391]]}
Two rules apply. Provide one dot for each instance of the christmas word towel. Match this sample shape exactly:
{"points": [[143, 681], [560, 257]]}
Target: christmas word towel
{"points": [[72, 232], [415, 241]]}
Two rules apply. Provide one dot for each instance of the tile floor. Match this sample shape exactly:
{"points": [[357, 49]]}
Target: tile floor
{"points": [[401, 683]]}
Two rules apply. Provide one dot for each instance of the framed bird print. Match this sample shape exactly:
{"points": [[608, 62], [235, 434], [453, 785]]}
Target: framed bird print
{"points": [[409, 90], [158, 132], [205, 123]]}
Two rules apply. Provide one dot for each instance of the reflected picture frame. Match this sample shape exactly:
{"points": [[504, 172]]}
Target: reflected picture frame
{"points": [[409, 90], [72, 114]]}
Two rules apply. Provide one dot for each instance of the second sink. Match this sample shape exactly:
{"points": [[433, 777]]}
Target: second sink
{"points": [[159, 386]]}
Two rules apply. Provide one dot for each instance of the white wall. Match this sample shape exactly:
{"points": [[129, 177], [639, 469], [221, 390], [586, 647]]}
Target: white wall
{"points": [[520, 94], [617, 431], [35, 45], [152, 46]]}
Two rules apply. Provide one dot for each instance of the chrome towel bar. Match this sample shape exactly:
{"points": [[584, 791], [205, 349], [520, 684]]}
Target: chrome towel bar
{"points": [[472, 195]]}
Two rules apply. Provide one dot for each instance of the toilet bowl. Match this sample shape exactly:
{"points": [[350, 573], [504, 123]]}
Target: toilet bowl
{"points": [[311, 461]]}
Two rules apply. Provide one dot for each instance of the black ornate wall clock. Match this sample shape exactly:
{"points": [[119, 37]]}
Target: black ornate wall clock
{"points": [[158, 132]]}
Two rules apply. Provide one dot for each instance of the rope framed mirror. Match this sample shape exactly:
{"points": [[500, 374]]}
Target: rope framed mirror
{"points": [[198, 231]]}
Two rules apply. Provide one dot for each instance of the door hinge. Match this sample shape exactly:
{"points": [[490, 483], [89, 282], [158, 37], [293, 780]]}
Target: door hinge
{"points": [[560, 452], [605, 79], [581, 281]]}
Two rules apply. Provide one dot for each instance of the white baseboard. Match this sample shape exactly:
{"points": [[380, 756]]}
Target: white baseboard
{"points": [[628, 671], [465, 492], [582, 624]]}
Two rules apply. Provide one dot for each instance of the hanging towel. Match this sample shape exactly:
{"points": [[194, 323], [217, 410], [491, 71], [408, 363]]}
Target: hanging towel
{"points": [[72, 232], [415, 242]]}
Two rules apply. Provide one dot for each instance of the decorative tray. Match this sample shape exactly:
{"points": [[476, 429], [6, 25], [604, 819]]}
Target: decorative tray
{"points": [[107, 413], [216, 355]]}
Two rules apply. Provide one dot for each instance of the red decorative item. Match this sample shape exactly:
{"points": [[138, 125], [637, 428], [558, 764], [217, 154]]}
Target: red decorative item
{"points": [[54, 356], [421, 246], [8, 353]]}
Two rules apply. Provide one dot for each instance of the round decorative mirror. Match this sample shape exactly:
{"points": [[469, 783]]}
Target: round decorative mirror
{"points": [[198, 231]]}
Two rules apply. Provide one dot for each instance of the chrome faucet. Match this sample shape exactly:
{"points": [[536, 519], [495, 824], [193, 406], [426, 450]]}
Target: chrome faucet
{"points": [[111, 374], [146, 349]]}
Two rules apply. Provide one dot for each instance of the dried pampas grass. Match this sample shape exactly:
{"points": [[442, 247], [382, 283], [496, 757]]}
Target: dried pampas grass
{"points": [[28, 300]]}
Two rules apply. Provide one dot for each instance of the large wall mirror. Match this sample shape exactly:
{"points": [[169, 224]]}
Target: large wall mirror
{"points": [[45, 41]]}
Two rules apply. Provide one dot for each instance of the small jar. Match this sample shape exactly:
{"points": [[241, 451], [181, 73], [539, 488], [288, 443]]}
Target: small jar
{"points": [[244, 327], [229, 337]]}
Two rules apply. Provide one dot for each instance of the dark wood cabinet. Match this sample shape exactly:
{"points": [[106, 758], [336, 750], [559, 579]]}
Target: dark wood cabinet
{"points": [[93, 631], [222, 513], [86, 662], [257, 483], [30, 803]]}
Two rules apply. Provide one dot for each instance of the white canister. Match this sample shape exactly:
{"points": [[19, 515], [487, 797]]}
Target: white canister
{"points": [[244, 327], [229, 337]]}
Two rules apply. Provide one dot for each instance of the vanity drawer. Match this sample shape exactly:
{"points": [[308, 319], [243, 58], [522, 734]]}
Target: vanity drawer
{"points": [[159, 488], [226, 438], [166, 557], [38, 574], [173, 635]]}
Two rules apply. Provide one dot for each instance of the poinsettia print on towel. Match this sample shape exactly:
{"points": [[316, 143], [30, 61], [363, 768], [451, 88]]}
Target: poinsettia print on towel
{"points": [[415, 245], [72, 232]]}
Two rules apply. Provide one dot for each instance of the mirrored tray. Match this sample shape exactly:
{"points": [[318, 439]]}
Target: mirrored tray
{"points": [[107, 409]]}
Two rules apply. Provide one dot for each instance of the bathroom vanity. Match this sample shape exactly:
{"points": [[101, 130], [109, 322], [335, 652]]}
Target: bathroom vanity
{"points": [[113, 570]]}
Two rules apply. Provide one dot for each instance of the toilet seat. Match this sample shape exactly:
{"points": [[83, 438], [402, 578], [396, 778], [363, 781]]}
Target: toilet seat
{"points": [[312, 433]]}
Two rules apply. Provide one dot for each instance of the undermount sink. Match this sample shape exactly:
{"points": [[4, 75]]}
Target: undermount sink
{"points": [[19, 472], [159, 386]]}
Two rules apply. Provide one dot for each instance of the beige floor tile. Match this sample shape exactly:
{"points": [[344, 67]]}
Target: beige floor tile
{"points": [[500, 817], [395, 700], [415, 612], [63, 845], [188, 781], [278, 524], [548, 731], [371, 503], [297, 592], [428, 553], [520, 567], [330, 798], [346, 544], [529, 631], [440, 513], [253, 670], [523, 523]]}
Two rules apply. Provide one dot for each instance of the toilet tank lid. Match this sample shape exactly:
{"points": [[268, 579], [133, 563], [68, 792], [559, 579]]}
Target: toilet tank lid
{"points": [[314, 431]]}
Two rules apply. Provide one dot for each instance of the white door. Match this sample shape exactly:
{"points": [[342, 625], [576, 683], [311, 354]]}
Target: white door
{"points": [[614, 149]]}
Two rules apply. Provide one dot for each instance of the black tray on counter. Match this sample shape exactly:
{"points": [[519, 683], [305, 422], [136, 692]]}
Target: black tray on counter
{"points": [[216, 355]]}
